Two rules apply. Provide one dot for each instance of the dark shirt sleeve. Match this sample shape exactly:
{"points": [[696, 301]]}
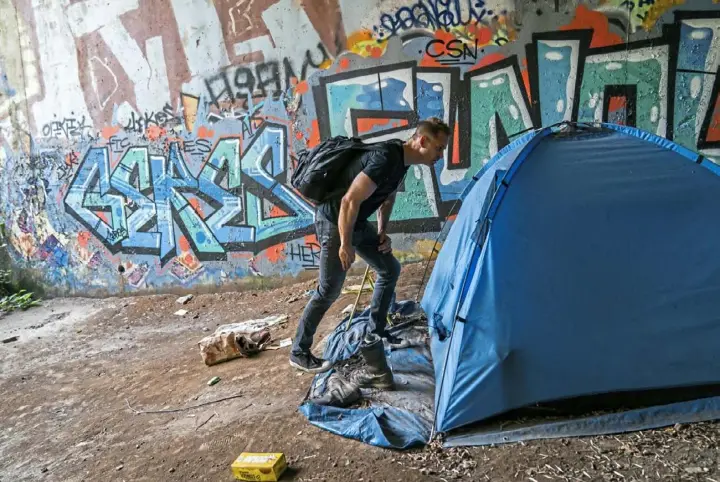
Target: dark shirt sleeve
{"points": [[376, 167]]}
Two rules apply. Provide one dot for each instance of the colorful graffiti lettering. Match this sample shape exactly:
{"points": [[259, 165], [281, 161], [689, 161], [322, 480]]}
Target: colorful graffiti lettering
{"points": [[147, 202], [165, 147]]}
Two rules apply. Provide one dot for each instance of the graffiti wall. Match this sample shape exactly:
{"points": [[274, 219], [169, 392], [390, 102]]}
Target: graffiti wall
{"points": [[147, 145]]}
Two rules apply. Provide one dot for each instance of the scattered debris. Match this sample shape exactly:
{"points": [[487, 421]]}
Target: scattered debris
{"points": [[119, 467], [225, 346], [294, 298], [281, 344], [206, 421], [355, 289], [348, 309], [173, 410], [181, 312], [183, 300], [50, 319], [259, 466], [251, 326], [10, 339], [236, 340], [456, 463], [213, 381]]}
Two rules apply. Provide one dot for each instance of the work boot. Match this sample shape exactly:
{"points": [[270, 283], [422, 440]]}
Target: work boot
{"points": [[377, 372], [339, 392]]}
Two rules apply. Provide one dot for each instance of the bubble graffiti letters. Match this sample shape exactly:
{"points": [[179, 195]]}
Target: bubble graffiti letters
{"points": [[237, 202]]}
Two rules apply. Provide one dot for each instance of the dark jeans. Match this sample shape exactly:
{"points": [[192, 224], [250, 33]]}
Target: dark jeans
{"points": [[332, 276]]}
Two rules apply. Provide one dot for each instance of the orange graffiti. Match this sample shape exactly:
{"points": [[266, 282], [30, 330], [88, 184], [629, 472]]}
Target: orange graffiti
{"points": [[103, 216], [430, 61], [108, 132], [483, 34], [71, 159], [456, 145], [714, 127], [83, 238], [365, 44], [344, 63], [363, 35], [190, 106], [184, 244], [155, 132], [588, 19], [206, 133], [310, 239], [302, 88], [616, 103], [276, 212], [195, 203], [314, 138], [367, 125], [276, 253], [486, 60]]}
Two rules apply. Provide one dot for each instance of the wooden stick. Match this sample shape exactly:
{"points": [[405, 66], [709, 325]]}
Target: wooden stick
{"points": [[357, 299]]}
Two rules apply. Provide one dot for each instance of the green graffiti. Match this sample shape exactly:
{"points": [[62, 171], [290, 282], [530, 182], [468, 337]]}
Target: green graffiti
{"points": [[644, 70], [687, 106], [490, 94]]}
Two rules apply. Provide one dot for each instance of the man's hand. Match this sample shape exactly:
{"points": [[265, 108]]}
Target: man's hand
{"points": [[347, 256], [385, 243]]}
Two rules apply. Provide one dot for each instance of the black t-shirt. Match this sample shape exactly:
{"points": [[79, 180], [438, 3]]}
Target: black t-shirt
{"points": [[385, 165]]}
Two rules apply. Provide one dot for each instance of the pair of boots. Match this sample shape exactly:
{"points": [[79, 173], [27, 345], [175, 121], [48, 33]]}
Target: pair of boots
{"points": [[376, 374]]}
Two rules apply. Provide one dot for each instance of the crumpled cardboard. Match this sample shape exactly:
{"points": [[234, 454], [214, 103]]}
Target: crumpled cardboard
{"points": [[225, 346]]}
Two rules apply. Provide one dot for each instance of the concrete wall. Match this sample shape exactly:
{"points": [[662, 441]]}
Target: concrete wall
{"points": [[145, 144]]}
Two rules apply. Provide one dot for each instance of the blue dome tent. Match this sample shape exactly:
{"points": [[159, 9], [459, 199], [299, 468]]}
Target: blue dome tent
{"points": [[583, 261]]}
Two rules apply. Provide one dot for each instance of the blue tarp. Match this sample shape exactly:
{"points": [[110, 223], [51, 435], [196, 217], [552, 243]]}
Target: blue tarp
{"points": [[588, 265], [400, 418]]}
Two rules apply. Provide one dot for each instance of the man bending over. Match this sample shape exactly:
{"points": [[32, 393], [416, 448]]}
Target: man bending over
{"points": [[343, 229]]}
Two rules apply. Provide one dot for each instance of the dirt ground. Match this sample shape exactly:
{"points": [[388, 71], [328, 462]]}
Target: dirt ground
{"points": [[66, 383]]}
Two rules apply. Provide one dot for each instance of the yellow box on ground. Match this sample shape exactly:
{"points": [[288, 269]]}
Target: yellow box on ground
{"points": [[259, 466]]}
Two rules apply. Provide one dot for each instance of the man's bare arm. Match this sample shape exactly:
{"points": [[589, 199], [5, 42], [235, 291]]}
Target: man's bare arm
{"points": [[360, 189], [385, 212]]}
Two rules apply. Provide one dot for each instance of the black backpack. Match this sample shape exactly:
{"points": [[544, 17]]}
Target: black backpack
{"points": [[318, 167]]}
